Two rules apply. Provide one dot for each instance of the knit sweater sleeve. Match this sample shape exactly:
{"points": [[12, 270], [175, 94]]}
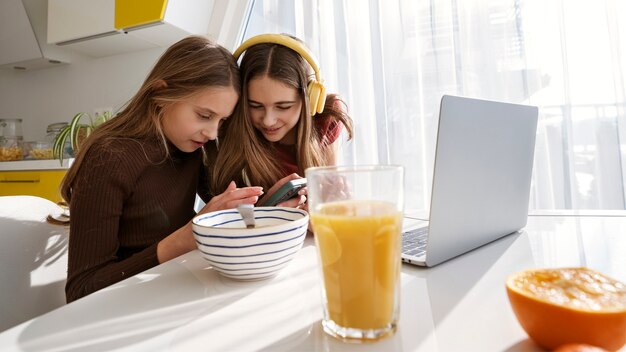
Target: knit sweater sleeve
{"points": [[103, 183]]}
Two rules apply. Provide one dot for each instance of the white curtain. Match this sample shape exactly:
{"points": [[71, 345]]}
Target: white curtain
{"points": [[392, 60]]}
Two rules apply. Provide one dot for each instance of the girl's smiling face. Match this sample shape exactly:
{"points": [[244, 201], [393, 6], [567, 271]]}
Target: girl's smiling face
{"points": [[275, 109], [190, 123]]}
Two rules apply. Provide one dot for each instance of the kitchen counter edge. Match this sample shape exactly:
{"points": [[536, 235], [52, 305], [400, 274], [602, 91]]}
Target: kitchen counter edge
{"points": [[33, 165]]}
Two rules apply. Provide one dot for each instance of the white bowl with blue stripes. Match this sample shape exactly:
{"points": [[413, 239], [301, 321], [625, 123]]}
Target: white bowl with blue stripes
{"points": [[250, 254]]}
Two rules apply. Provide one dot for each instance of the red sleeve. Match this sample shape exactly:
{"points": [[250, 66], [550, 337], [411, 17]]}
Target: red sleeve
{"points": [[329, 128]]}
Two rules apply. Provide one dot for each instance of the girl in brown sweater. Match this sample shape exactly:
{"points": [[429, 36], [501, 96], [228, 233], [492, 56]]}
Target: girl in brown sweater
{"points": [[132, 186]]}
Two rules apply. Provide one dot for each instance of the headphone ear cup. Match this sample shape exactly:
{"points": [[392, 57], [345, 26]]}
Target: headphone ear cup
{"points": [[313, 90], [317, 97], [321, 101]]}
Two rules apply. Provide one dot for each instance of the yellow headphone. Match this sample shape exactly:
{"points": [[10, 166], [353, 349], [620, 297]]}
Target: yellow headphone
{"points": [[315, 88]]}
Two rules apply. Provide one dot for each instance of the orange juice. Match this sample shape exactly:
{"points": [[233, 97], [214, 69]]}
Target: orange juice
{"points": [[359, 246]]}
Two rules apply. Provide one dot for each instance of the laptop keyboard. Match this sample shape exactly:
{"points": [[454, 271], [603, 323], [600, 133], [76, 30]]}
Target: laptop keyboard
{"points": [[414, 241]]}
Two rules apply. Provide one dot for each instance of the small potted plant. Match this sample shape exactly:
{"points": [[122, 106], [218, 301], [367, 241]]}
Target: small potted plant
{"points": [[77, 132]]}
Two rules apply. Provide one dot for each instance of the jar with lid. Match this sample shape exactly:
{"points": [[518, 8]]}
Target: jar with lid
{"points": [[11, 139], [42, 149], [53, 131]]}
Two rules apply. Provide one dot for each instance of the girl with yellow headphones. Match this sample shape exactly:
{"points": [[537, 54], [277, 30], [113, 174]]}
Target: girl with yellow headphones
{"points": [[284, 121]]}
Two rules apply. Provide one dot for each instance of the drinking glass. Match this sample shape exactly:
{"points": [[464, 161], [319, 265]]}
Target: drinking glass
{"points": [[356, 213]]}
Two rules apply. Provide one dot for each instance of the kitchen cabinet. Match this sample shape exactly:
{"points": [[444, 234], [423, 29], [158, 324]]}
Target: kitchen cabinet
{"points": [[163, 22], [32, 177], [70, 19], [18, 40], [108, 27], [19, 45]]}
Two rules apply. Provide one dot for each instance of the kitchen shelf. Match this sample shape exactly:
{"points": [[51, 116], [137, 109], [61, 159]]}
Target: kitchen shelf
{"points": [[27, 165]]}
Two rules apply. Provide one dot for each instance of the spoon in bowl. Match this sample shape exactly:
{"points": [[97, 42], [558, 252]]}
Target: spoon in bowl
{"points": [[247, 213]]}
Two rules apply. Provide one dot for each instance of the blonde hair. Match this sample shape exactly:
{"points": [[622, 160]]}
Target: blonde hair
{"points": [[243, 149], [188, 66]]}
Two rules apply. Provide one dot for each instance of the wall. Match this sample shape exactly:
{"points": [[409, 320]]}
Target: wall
{"points": [[42, 97], [45, 96]]}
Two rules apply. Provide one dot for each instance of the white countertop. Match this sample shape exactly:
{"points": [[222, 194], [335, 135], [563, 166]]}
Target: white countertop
{"points": [[460, 305], [31, 165]]}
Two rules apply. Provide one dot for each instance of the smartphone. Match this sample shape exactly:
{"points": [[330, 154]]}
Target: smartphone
{"points": [[286, 192]]}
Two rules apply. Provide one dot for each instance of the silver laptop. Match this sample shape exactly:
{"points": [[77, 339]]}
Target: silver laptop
{"points": [[481, 180]]}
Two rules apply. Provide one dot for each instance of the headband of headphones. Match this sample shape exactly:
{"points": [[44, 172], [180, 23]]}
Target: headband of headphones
{"points": [[316, 90]]}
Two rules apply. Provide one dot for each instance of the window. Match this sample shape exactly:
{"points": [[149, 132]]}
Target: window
{"points": [[393, 60]]}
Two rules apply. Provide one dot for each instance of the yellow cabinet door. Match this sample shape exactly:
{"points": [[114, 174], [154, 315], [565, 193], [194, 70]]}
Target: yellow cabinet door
{"points": [[133, 13], [43, 183]]}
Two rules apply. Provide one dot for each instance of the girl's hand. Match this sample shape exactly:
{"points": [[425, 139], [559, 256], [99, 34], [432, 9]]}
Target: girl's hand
{"points": [[304, 205], [296, 202], [333, 188], [182, 241], [232, 197]]}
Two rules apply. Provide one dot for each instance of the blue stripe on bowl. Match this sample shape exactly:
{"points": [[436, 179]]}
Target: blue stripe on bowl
{"points": [[257, 261], [251, 236], [256, 218], [249, 255], [274, 217], [256, 210], [222, 269], [252, 245], [225, 223], [210, 216]]}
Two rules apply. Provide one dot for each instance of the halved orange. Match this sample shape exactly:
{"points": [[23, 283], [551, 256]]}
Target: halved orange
{"points": [[569, 305]]}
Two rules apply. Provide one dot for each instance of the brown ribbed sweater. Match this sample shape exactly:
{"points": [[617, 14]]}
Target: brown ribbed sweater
{"points": [[125, 199]]}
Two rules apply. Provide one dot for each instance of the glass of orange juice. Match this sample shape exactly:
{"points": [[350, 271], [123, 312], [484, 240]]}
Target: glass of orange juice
{"points": [[356, 213]]}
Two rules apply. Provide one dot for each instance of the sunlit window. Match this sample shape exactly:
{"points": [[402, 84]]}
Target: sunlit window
{"points": [[393, 60]]}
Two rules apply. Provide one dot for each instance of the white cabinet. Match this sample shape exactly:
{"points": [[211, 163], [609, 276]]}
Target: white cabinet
{"points": [[20, 45], [108, 27], [71, 19], [17, 38]]}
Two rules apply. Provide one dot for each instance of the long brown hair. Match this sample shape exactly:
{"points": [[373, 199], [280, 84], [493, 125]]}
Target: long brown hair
{"points": [[188, 66], [244, 148]]}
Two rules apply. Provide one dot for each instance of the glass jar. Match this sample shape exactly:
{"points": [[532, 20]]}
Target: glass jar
{"points": [[40, 150], [11, 139], [53, 131]]}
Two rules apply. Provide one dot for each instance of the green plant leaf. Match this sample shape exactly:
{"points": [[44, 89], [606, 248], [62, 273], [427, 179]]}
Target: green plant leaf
{"points": [[59, 143], [75, 127], [102, 118]]}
